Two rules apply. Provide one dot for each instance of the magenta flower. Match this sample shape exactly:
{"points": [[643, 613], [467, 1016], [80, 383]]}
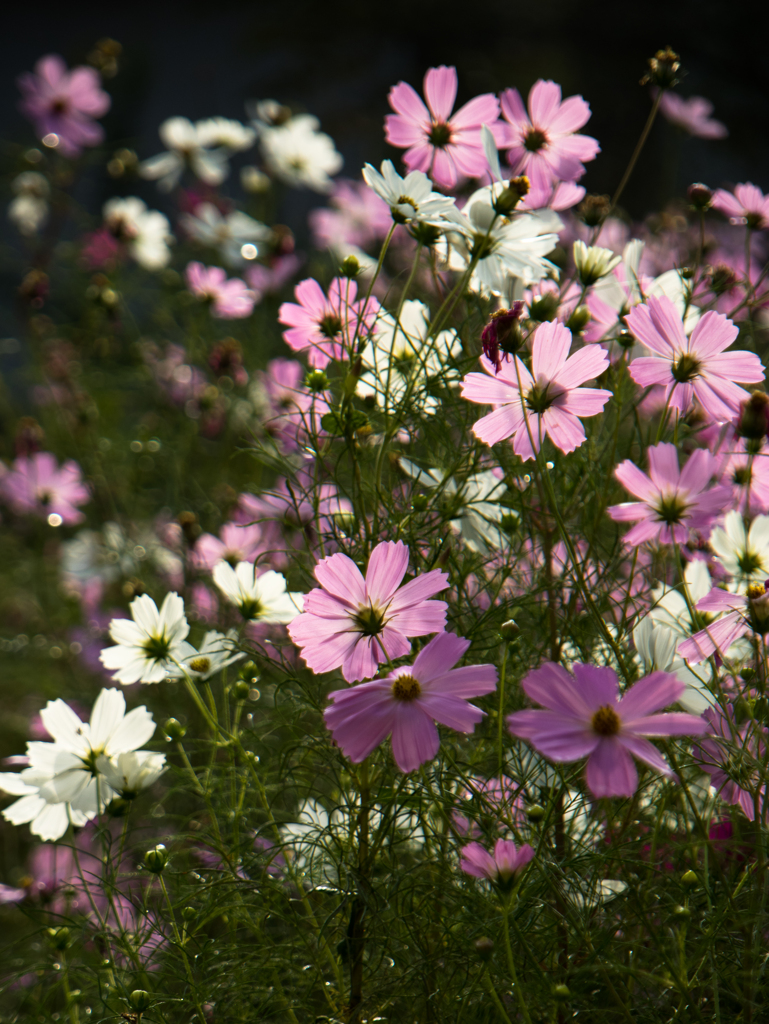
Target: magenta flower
{"points": [[499, 867], [37, 485], [731, 750], [693, 115], [587, 717], [743, 613], [230, 299], [62, 104], [748, 205], [695, 367], [358, 623], [326, 326], [672, 501], [549, 400], [445, 147], [408, 702], [542, 143]]}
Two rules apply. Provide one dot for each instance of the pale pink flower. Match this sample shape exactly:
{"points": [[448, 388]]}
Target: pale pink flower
{"points": [[746, 472], [696, 367], [672, 501], [358, 623], [289, 411], [326, 326], [268, 278], [357, 217], [542, 143], [448, 148], [748, 205], [729, 749], [38, 485], [499, 867], [587, 717], [548, 400], [693, 115], [235, 544], [62, 104], [408, 702], [230, 299]]}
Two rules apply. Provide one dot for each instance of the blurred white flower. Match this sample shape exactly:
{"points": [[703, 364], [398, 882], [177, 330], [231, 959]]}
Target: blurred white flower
{"points": [[146, 233], [227, 234], [299, 154], [185, 147], [656, 647], [148, 648], [223, 132], [215, 653], [29, 209], [260, 598], [744, 554]]}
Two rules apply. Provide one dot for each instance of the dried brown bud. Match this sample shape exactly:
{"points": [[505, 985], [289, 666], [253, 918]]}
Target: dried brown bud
{"points": [[753, 422], [700, 196], [664, 69], [593, 210], [29, 436], [722, 278]]}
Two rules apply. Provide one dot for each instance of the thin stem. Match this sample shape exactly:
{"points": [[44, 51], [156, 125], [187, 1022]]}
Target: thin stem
{"points": [[511, 963], [636, 152]]}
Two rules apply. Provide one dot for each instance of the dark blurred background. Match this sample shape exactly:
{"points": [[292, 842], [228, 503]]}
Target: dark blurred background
{"points": [[338, 58]]}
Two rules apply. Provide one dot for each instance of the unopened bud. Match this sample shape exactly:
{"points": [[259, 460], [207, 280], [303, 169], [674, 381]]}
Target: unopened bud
{"points": [[139, 1000], [535, 812], [484, 947], [664, 69], [254, 180], [420, 502], [59, 937], [240, 689], [593, 210], [545, 307], [316, 380], [625, 339], [174, 729], [722, 279], [188, 913], [502, 333], [249, 670], [579, 319], [681, 913], [509, 198], [156, 859], [510, 629], [689, 879], [350, 267], [753, 422], [561, 993], [700, 196]]}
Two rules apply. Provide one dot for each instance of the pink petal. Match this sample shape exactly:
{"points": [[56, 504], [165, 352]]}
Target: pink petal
{"points": [[646, 752], [550, 348], [498, 425], [404, 100], [584, 401], [418, 590], [415, 737], [554, 688], [610, 770], [675, 723], [466, 682], [637, 482], [696, 474], [440, 88], [544, 103], [589, 362], [564, 430], [640, 324], [513, 108], [663, 465], [361, 661], [341, 577], [451, 711], [403, 132], [444, 171], [648, 370], [479, 387], [557, 736], [655, 691], [572, 115], [717, 637], [440, 655], [712, 335], [648, 530], [480, 110], [386, 568], [741, 366]]}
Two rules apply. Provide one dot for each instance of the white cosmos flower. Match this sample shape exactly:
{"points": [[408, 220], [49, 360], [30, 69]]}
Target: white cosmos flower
{"points": [[656, 648], [28, 210], [146, 233], [227, 234], [262, 598], [474, 503], [744, 555], [411, 199], [132, 771], [593, 262], [215, 132], [47, 820], [148, 648], [401, 359], [299, 154], [185, 147], [507, 247], [216, 652]]}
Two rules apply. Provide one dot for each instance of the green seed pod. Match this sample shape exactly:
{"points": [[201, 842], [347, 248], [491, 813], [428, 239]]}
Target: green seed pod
{"points": [[535, 812]]}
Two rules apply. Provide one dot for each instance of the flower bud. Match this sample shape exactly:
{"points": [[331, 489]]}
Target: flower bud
{"points": [[350, 267], [253, 180], [188, 913], [156, 859], [139, 1000], [664, 69], [689, 879], [753, 421], [174, 730], [535, 812], [593, 262], [509, 198], [484, 947], [425, 234], [578, 320], [502, 333], [593, 210], [241, 689], [510, 630], [681, 913], [625, 339], [420, 502], [722, 278], [316, 381], [545, 307], [59, 937], [561, 993], [700, 196]]}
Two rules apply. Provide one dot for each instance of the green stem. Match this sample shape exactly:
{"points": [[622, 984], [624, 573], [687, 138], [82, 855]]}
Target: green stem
{"points": [[511, 964]]}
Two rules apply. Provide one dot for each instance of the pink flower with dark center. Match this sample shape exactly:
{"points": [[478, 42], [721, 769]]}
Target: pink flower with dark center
{"points": [[672, 501], [501, 866], [693, 115], [733, 756], [408, 702], [230, 299], [448, 148], [358, 623], [548, 400], [695, 367], [746, 471], [747, 206], [587, 717], [290, 412], [62, 104], [326, 326], [39, 486], [542, 143]]}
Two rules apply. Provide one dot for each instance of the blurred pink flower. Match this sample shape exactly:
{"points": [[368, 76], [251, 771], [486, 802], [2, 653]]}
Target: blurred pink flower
{"points": [[696, 367], [265, 279], [230, 299], [587, 717], [551, 400], [408, 702], [506, 861], [542, 143], [358, 623], [748, 205], [731, 749], [38, 485], [291, 412], [672, 501], [693, 115], [235, 544], [445, 147], [357, 217], [326, 327], [62, 104]]}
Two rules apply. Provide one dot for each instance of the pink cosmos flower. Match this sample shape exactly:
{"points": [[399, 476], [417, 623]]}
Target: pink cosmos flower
{"points": [[357, 217], [358, 623], [445, 147], [235, 544], [747, 472], [62, 104], [542, 143], [290, 411], [587, 717], [230, 299], [693, 115], [748, 205], [506, 861], [695, 367], [732, 749], [408, 702], [743, 614], [547, 401], [39, 486], [672, 501], [325, 326], [267, 278]]}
